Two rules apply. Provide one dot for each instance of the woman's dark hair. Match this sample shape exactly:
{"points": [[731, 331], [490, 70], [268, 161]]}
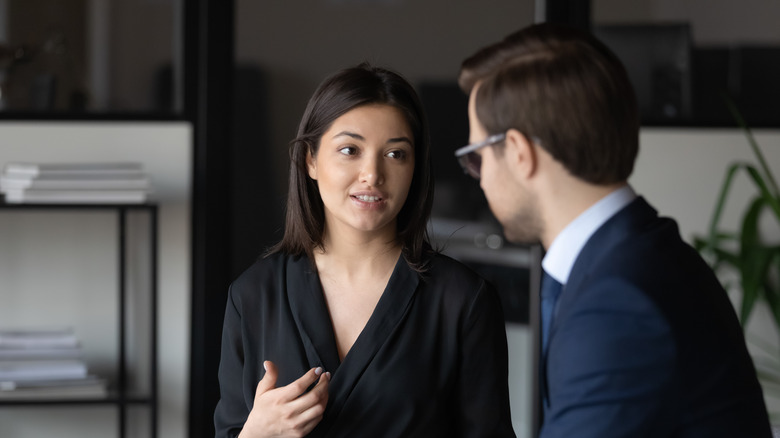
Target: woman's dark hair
{"points": [[341, 92]]}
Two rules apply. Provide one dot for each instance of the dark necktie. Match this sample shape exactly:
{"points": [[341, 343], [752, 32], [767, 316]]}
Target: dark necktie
{"points": [[549, 295]]}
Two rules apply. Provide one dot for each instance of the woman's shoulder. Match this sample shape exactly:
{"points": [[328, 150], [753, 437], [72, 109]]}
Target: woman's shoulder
{"points": [[266, 273], [443, 268], [261, 267], [455, 285]]}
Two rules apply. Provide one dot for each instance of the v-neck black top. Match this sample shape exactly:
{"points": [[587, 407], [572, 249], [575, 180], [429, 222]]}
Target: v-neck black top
{"points": [[430, 362]]}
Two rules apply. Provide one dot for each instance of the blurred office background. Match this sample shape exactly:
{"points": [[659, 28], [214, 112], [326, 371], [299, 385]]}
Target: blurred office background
{"points": [[208, 93]]}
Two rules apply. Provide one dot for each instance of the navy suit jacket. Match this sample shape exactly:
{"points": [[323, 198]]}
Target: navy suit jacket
{"points": [[645, 342]]}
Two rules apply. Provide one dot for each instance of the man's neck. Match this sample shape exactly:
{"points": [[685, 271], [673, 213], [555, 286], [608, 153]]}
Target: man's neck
{"points": [[565, 248], [564, 203]]}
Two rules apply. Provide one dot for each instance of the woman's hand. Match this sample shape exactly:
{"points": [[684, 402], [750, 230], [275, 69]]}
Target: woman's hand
{"points": [[287, 411]]}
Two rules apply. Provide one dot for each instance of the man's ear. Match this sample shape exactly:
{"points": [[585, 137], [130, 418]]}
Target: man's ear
{"points": [[311, 165], [521, 154]]}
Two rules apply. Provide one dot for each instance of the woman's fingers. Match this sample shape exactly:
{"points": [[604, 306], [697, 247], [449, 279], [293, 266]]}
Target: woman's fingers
{"points": [[298, 387], [317, 397], [268, 382], [289, 410], [311, 406]]}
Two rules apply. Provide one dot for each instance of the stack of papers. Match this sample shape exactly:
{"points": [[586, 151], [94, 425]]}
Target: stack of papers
{"points": [[45, 364], [75, 183]]}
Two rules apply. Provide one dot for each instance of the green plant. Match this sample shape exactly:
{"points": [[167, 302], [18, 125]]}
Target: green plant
{"points": [[756, 262]]}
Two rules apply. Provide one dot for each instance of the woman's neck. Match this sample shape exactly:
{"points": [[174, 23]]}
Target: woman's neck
{"points": [[357, 255]]}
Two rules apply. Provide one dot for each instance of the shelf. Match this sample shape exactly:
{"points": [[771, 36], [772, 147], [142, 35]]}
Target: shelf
{"points": [[121, 396], [28, 206], [110, 400]]}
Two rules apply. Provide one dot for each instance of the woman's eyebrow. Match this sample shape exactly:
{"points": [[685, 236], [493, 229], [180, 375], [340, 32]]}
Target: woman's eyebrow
{"points": [[350, 134], [402, 139]]}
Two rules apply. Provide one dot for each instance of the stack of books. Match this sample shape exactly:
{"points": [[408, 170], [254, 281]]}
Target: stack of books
{"points": [[74, 183], [45, 364]]}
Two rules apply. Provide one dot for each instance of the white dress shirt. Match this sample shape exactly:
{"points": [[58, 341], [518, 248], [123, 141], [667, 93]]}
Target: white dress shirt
{"points": [[560, 257]]}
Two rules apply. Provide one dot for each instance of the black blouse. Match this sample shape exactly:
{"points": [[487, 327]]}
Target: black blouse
{"points": [[430, 362]]}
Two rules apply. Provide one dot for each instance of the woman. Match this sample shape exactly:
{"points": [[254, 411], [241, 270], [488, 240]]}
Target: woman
{"points": [[352, 325]]}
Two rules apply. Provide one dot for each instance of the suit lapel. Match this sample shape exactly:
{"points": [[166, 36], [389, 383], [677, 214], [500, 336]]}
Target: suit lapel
{"points": [[624, 224]]}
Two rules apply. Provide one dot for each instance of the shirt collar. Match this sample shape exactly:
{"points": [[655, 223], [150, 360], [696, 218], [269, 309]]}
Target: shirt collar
{"points": [[560, 257]]}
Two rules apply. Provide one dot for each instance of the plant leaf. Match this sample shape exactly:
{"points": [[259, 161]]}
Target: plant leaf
{"points": [[749, 234], [753, 260], [700, 244], [754, 274], [720, 204], [754, 145], [772, 200], [755, 263], [721, 236], [728, 257]]}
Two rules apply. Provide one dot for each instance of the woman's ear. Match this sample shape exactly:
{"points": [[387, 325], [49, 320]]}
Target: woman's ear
{"points": [[311, 165], [521, 154]]}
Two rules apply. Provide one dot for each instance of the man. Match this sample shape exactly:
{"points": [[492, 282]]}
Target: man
{"points": [[638, 337]]}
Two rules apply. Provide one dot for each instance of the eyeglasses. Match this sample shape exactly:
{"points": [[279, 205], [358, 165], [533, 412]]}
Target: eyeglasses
{"points": [[469, 160]]}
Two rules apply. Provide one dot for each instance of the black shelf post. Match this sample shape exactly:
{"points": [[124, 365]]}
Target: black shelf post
{"points": [[122, 377], [153, 384]]}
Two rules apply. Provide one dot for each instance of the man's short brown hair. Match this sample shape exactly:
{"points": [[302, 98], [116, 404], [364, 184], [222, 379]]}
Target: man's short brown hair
{"points": [[565, 88]]}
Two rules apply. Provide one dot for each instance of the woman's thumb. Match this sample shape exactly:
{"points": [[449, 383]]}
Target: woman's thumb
{"points": [[268, 382]]}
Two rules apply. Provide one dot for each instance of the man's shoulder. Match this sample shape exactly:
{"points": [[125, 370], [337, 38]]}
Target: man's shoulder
{"points": [[641, 264], [634, 243]]}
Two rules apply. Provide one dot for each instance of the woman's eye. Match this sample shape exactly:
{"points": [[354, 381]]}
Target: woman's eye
{"points": [[399, 154], [348, 150]]}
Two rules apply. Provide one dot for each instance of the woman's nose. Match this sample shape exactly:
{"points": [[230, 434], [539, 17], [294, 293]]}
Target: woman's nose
{"points": [[371, 172]]}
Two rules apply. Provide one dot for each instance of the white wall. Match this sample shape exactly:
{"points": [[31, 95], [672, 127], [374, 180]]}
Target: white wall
{"points": [[58, 269], [681, 172], [521, 379]]}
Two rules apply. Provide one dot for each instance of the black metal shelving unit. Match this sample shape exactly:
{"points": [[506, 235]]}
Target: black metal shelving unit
{"points": [[119, 396]]}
